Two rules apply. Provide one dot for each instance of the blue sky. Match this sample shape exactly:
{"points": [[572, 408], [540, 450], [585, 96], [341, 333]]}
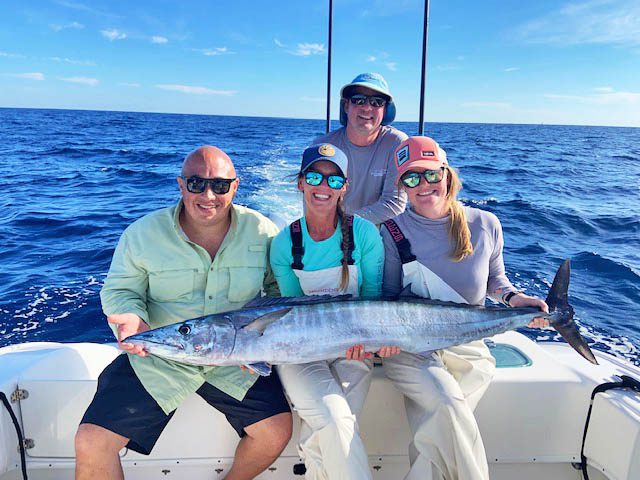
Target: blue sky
{"points": [[505, 61]]}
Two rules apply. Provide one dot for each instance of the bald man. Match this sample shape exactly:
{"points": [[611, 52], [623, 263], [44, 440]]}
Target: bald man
{"points": [[202, 256]]}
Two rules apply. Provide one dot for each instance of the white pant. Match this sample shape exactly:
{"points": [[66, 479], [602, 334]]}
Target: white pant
{"points": [[328, 396], [441, 391]]}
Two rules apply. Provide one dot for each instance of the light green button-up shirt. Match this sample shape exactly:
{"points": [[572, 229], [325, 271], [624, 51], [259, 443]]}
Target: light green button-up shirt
{"points": [[161, 276]]}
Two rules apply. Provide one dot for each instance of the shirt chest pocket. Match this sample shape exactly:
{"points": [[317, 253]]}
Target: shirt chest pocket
{"points": [[172, 285], [245, 282]]}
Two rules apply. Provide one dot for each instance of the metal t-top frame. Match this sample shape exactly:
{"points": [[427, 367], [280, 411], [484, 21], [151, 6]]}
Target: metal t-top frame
{"points": [[423, 77]]}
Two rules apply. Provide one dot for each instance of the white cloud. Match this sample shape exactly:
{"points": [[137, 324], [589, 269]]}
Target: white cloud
{"points": [[307, 49], [113, 34], [391, 66], [213, 52], [92, 82], [29, 76], [487, 105], [372, 58], [279, 43], [74, 25], [87, 63], [195, 90], [159, 40], [512, 69], [614, 22], [84, 8], [602, 96], [11, 55], [129, 84]]}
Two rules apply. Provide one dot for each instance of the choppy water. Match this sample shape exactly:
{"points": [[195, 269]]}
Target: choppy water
{"points": [[71, 181]]}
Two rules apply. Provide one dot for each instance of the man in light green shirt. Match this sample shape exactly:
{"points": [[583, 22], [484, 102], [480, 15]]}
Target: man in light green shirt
{"points": [[202, 256]]}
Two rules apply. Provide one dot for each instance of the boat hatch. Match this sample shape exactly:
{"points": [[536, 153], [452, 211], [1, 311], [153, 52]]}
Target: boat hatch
{"points": [[508, 356]]}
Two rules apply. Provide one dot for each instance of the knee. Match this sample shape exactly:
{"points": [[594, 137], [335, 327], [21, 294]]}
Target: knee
{"points": [[273, 433], [93, 440]]}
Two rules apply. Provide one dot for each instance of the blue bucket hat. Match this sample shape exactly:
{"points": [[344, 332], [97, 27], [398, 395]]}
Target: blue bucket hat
{"points": [[375, 82], [324, 151]]}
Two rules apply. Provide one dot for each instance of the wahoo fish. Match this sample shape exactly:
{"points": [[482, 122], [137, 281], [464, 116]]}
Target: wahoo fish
{"points": [[304, 329]]}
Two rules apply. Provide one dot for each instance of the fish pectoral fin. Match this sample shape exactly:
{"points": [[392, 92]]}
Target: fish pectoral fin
{"points": [[260, 324], [406, 292], [262, 368]]}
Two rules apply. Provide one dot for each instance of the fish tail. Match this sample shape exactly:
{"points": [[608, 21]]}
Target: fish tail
{"points": [[561, 313]]}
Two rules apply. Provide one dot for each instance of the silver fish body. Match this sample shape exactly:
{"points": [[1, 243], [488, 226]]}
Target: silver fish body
{"points": [[305, 329]]}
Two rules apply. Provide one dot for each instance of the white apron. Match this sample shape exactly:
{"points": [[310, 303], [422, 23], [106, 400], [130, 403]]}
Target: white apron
{"points": [[441, 390], [328, 396]]}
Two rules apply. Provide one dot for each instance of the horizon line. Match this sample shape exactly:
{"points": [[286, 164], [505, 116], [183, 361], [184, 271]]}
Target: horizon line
{"points": [[308, 119]]}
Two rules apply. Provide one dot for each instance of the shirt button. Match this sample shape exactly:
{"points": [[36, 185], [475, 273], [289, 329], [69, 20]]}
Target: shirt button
{"points": [[210, 297]]}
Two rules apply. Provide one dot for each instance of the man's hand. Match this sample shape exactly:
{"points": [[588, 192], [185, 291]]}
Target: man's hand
{"points": [[522, 300], [129, 324], [357, 353]]}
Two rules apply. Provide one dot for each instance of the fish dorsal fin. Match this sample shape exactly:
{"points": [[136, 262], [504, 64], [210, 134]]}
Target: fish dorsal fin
{"points": [[294, 301], [260, 324]]}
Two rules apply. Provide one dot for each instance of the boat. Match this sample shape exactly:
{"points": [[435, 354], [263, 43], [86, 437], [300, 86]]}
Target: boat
{"points": [[548, 414], [532, 418]]}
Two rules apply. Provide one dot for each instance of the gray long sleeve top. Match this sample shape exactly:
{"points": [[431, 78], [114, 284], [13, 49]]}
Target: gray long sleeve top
{"points": [[372, 192], [474, 277]]}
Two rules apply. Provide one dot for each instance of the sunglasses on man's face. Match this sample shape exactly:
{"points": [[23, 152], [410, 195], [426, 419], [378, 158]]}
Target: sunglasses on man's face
{"points": [[412, 179], [219, 186], [374, 100], [315, 178]]}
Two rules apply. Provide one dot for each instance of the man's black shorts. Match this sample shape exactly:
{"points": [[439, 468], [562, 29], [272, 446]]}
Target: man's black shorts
{"points": [[122, 405]]}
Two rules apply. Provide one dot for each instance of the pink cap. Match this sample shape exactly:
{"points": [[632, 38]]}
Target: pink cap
{"points": [[420, 152]]}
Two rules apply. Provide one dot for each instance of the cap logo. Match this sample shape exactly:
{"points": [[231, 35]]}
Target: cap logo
{"points": [[326, 150], [402, 155], [428, 153]]}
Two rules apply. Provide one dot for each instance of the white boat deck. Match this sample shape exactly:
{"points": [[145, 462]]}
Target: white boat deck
{"points": [[531, 419]]}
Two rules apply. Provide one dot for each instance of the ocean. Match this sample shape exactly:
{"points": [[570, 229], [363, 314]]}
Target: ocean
{"points": [[71, 181]]}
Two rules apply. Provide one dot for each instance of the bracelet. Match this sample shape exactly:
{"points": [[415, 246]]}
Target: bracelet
{"points": [[506, 298]]}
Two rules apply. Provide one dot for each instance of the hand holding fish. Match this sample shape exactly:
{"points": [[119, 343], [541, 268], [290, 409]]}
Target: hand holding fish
{"points": [[389, 351], [523, 300], [357, 353], [128, 324]]}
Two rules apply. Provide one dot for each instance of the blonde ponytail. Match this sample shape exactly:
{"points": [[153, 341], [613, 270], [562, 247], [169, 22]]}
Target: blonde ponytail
{"points": [[459, 228]]}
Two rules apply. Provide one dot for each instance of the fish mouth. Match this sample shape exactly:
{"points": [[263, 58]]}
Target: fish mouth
{"points": [[149, 340]]}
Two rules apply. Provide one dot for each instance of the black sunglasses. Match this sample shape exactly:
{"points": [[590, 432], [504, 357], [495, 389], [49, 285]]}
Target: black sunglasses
{"points": [[374, 100], [412, 179], [218, 186]]}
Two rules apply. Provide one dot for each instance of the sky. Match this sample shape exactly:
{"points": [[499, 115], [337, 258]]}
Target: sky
{"points": [[493, 61]]}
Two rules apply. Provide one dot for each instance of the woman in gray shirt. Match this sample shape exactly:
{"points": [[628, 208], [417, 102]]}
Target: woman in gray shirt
{"points": [[448, 252]]}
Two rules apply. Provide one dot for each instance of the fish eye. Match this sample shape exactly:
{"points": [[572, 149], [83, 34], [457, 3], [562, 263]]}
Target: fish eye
{"points": [[184, 329]]}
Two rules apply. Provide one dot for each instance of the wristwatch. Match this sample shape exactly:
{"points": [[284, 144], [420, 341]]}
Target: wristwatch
{"points": [[506, 298]]}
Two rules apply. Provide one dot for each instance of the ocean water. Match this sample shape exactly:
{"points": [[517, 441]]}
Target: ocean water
{"points": [[71, 181]]}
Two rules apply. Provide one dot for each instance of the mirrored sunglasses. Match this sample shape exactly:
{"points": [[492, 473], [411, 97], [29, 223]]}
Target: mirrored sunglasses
{"points": [[412, 179], [315, 178]]}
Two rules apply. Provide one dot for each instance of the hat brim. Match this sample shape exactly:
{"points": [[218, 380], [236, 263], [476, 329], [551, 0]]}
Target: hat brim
{"points": [[328, 159], [365, 85]]}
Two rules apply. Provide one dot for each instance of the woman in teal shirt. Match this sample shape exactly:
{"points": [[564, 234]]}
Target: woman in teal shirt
{"points": [[329, 253]]}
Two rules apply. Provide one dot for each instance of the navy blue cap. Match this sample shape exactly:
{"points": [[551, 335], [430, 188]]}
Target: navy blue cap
{"points": [[324, 151]]}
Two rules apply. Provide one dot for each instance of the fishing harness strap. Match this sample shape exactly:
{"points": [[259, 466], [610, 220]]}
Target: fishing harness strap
{"points": [[297, 250], [402, 243], [625, 382]]}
